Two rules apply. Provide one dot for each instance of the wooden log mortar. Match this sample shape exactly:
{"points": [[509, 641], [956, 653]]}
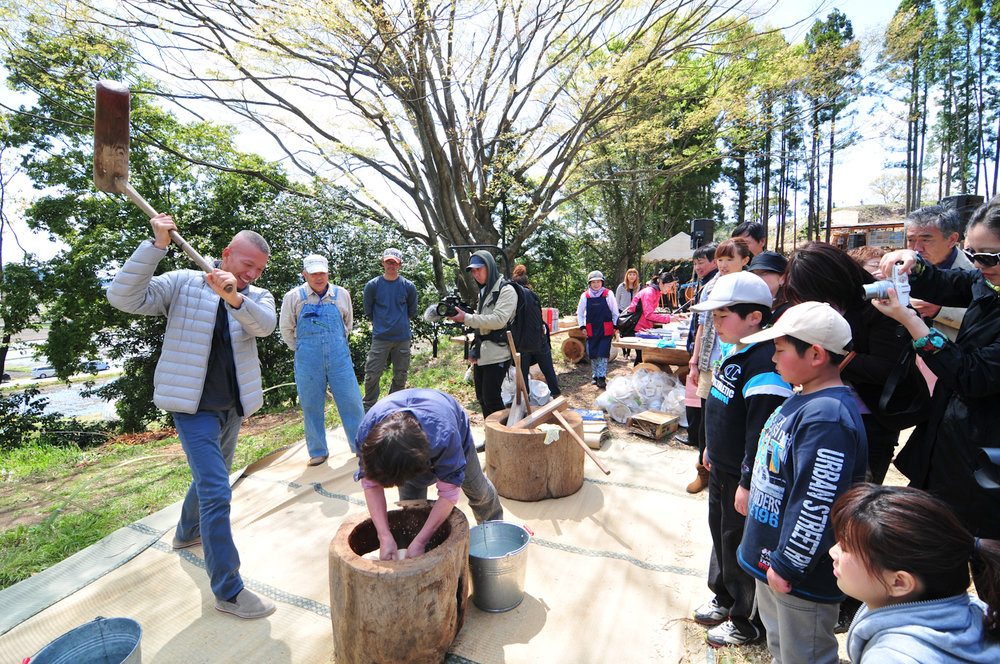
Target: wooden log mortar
{"points": [[385, 612], [522, 467]]}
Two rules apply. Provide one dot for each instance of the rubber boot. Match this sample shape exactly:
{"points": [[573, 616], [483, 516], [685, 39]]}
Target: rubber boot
{"points": [[700, 482]]}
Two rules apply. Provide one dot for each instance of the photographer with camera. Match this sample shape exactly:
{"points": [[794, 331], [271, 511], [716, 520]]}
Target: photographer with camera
{"points": [[823, 273], [940, 456], [490, 351]]}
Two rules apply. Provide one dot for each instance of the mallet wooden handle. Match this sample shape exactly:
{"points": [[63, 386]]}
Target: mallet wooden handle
{"points": [[174, 235], [586, 448]]}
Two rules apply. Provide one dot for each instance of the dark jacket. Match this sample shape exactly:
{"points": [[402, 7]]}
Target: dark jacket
{"points": [[878, 342], [964, 413]]}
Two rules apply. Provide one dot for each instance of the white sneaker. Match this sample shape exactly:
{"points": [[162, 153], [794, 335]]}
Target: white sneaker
{"points": [[711, 613], [728, 634]]}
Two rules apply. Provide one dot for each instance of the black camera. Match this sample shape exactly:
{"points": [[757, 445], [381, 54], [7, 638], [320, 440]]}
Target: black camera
{"points": [[450, 305]]}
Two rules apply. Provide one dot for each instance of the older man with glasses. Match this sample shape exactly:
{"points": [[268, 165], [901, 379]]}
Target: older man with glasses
{"points": [[934, 233]]}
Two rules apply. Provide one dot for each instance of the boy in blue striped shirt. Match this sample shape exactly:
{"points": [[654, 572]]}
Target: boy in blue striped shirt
{"points": [[745, 391]]}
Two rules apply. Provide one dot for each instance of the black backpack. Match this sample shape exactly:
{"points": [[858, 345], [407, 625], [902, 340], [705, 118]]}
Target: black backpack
{"points": [[628, 320], [527, 326]]}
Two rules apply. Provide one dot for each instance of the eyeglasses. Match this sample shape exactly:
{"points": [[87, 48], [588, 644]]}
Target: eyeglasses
{"points": [[984, 259]]}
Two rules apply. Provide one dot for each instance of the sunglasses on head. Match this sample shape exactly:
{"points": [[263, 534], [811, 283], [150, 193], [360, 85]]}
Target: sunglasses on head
{"points": [[984, 259]]}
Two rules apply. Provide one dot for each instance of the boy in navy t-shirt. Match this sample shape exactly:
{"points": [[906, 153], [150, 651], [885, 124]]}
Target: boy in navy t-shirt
{"points": [[812, 449], [745, 391]]}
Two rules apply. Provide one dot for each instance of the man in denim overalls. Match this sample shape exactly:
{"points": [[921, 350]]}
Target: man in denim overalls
{"points": [[316, 319]]}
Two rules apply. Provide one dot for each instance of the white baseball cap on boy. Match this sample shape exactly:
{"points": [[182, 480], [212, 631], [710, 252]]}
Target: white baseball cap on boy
{"points": [[736, 288], [812, 322]]}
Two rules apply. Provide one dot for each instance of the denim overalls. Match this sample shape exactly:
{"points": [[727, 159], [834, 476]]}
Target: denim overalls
{"points": [[322, 358]]}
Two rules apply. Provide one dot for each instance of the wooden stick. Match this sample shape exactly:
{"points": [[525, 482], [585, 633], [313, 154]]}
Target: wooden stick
{"points": [[520, 391], [540, 414], [586, 448]]}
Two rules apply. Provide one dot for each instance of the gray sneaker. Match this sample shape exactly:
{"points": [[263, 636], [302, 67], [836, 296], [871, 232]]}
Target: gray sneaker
{"points": [[728, 634], [183, 544], [711, 613], [247, 605]]}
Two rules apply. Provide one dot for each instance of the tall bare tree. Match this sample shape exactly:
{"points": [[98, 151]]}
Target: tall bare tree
{"points": [[431, 108]]}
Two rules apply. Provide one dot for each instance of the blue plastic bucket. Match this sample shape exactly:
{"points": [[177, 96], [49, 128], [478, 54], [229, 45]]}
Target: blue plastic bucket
{"points": [[101, 641], [497, 564]]}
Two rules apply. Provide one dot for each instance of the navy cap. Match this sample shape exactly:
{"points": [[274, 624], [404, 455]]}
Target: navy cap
{"points": [[476, 261]]}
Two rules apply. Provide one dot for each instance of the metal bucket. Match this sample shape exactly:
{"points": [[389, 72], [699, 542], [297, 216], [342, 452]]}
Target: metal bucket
{"points": [[497, 563], [101, 641]]}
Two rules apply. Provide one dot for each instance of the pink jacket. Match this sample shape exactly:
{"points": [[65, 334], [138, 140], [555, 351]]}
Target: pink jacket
{"points": [[650, 301]]}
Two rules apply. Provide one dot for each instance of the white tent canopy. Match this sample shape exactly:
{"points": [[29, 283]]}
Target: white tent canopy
{"points": [[677, 248]]}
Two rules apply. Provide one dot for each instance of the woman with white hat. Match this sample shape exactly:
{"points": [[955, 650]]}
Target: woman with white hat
{"points": [[597, 315]]}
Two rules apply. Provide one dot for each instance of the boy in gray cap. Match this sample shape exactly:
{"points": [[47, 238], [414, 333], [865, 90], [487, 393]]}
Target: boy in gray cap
{"points": [[597, 315]]}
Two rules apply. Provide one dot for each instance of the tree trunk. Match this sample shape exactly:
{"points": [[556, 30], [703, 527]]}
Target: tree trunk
{"points": [[398, 611], [522, 467], [829, 178]]}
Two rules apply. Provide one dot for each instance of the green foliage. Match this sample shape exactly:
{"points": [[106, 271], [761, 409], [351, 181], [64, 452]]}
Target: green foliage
{"points": [[20, 415]]}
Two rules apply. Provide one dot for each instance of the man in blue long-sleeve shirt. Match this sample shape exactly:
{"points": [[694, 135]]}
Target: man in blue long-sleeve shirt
{"points": [[390, 302]]}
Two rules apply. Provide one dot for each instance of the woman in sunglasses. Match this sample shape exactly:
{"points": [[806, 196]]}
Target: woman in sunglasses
{"points": [[965, 412]]}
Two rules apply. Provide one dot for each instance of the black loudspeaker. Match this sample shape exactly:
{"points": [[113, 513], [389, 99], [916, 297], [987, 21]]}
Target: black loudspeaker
{"points": [[855, 240], [702, 231], [964, 204]]}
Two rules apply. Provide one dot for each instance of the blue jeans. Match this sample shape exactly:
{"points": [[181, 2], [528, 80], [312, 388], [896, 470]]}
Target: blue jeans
{"points": [[313, 372], [209, 441]]}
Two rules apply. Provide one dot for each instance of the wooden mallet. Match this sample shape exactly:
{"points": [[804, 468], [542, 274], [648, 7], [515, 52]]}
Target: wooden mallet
{"points": [[111, 139]]}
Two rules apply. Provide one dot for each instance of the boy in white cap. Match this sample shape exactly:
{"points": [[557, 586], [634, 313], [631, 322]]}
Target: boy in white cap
{"points": [[316, 320], [745, 391], [597, 315], [390, 302], [812, 449]]}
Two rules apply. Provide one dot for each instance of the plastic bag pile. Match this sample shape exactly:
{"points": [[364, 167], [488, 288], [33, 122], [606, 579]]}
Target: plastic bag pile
{"points": [[538, 391], [644, 390]]}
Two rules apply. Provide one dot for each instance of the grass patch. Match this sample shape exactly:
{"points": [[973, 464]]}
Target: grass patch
{"points": [[55, 501]]}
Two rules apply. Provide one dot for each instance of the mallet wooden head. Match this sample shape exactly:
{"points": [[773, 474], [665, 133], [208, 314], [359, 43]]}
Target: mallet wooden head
{"points": [[111, 132]]}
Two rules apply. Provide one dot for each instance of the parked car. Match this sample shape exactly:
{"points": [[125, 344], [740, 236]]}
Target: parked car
{"points": [[94, 366], [5, 378], [43, 372]]}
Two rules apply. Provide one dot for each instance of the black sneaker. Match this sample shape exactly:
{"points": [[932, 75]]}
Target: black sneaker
{"points": [[844, 620], [602, 383], [728, 634], [711, 613]]}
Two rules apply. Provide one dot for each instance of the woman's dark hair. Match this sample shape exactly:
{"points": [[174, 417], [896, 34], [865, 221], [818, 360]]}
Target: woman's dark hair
{"points": [[396, 450], [902, 529], [988, 214], [744, 309], [820, 272]]}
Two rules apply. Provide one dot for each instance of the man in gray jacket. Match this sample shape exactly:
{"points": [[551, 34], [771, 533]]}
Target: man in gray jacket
{"points": [[208, 378]]}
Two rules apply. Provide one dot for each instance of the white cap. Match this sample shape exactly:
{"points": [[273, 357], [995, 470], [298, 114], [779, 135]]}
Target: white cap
{"points": [[736, 288], [315, 263], [812, 322], [392, 254], [596, 275]]}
